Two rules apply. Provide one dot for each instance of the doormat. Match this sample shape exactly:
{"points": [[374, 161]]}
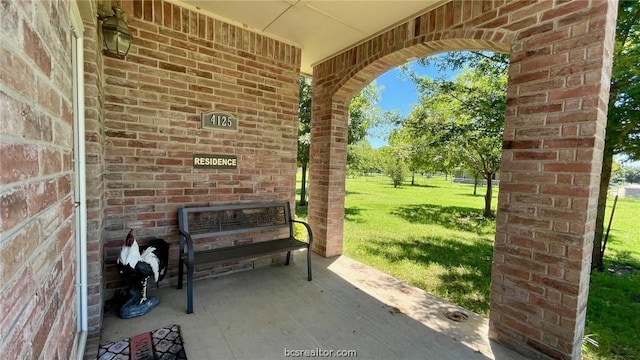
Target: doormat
{"points": [[161, 344]]}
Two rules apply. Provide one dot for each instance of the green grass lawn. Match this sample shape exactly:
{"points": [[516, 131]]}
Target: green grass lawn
{"points": [[613, 311], [433, 236]]}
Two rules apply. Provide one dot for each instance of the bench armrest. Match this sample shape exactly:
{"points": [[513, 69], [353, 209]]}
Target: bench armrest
{"points": [[309, 233], [185, 237]]}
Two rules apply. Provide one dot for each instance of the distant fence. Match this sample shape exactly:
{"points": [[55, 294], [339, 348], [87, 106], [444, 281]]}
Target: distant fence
{"points": [[632, 191], [470, 181]]}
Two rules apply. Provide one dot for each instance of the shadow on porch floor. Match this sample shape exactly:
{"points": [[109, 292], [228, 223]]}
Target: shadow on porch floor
{"points": [[348, 306]]}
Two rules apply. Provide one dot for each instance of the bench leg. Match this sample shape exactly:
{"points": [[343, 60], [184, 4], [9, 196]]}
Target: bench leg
{"points": [[288, 258], [309, 264], [190, 289], [180, 273]]}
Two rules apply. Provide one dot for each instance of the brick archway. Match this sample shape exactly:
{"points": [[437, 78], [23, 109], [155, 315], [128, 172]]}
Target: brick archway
{"points": [[343, 89], [362, 73], [554, 132]]}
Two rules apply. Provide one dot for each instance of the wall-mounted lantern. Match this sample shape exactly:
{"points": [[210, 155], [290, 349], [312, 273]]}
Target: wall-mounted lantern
{"points": [[116, 33]]}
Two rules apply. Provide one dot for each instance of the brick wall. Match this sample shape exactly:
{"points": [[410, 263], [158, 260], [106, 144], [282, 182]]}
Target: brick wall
{"points": [[181, 64], [95, 168], [554, 132], [37, 243]]}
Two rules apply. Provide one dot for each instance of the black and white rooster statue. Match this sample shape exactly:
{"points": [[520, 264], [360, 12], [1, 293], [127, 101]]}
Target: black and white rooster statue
{"points": [[137, 268]]}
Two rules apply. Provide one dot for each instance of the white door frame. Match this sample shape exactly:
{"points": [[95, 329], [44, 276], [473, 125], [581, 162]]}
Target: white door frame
{"points": [[79, 169]]}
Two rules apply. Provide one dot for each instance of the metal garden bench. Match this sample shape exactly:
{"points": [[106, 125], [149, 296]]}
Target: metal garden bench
{"points": [[195, 223]]}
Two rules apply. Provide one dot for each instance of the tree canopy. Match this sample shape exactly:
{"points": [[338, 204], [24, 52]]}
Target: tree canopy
{"points": [[623, 122], [304, 120], [304, 132], [623, 118], [364, 112]]}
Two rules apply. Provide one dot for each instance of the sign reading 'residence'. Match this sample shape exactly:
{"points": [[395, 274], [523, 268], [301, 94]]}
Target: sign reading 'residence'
{"points": [[215, 161]]}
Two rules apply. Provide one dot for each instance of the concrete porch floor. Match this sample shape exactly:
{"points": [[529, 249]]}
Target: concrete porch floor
{"points": [[258, 314]]}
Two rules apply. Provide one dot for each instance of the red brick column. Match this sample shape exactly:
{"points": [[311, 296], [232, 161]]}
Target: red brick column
{"points": [[554, 135], [327, 171]]}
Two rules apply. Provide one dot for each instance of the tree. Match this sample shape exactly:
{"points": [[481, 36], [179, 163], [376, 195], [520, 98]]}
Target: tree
{"points": [[465, 116], [632, 175], [363, 114], [304, 133], [495, 64], [360, 158], [394, 164], [446, 158], [623, 119], [415, 151], [617, 172]]}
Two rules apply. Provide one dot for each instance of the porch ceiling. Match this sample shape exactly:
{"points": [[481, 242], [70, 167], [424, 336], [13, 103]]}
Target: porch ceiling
{"points": [[321, 28]]}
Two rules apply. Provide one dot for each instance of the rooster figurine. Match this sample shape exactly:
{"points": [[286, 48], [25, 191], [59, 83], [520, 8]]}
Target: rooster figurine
{"points": [[138, 267]]}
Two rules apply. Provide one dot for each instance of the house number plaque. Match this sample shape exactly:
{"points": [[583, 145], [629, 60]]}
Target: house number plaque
{"points": [[218, 120]]}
